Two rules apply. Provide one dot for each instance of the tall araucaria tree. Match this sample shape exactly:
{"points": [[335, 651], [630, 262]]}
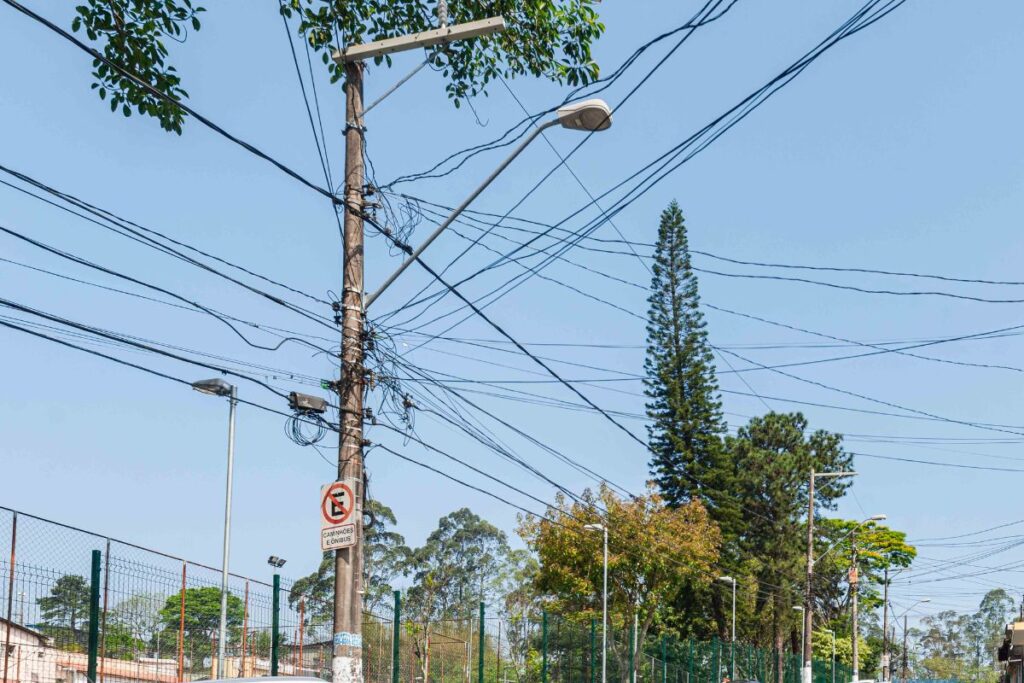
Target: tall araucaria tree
{"points": [[685, 435]]}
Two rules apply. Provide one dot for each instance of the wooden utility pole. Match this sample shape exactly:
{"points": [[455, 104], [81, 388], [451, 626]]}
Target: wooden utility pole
{"points": [[347, 661], [806, 655], [885, 627], [905, 671], [853, 590]]}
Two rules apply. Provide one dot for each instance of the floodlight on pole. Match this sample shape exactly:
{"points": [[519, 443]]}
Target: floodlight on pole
{"points": [[592, 116], [218, 387]]}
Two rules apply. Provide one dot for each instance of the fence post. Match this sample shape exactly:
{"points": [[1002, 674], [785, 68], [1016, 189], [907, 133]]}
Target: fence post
{"points": [[10, 592], [94, 616], [480, 654], [544, 647], [664, 659], [103, 619], [275, 622], [593, 649], [396, 634], [181, 627], [245, 628], [632, 650], [689, 675]]}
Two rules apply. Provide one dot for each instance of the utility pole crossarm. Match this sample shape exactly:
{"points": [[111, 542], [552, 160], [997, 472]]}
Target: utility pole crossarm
{"points": [[445, 34]]}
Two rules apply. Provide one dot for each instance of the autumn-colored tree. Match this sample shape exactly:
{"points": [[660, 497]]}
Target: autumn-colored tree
{"points": [[654, 550]]}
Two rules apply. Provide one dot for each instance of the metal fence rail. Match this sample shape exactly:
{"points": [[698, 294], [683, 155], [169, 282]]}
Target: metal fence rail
{"points": [[79, 607]]}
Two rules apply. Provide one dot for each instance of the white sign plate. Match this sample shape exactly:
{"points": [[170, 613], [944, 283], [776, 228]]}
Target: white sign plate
{"points": [[339, 511]]}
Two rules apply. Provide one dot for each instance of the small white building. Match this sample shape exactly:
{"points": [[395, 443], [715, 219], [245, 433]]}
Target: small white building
{"points": [[27, 654]]}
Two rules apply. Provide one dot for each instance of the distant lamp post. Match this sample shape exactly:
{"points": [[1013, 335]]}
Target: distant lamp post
{"points": [[276, 562], [904, 616], [604, 602], [833, 634], [218, 387], [732, 644]]}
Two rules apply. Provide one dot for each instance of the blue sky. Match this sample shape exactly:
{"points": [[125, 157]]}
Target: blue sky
{"points": [[898, 150]]}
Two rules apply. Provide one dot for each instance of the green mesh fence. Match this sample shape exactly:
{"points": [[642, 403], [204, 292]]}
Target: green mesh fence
{"points": [[158, 617]]}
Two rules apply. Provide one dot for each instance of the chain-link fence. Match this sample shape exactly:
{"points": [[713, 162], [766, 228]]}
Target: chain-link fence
{"points": [[78, 607]]}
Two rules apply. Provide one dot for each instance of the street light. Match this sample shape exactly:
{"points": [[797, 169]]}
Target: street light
{"points": [[218, 387], [589, 115], [805, 651], [803, 635], [904, 615], [854, 581], [276, 562], [833, 635], [732, 644], [604, 602]]}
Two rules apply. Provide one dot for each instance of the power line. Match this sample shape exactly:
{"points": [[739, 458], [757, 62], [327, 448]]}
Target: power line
{"points": [[868, 271], [100, 58], [861, 290], [133, 231], [871, 12], [128, 278]]}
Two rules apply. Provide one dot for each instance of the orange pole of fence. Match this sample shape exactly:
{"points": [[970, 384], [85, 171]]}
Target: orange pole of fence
{"points": [[10, 592], [302, 628], [181, 629], [245, 626]]}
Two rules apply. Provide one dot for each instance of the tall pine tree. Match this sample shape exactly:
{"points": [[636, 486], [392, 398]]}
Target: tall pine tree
{"points": [[686, 430]]}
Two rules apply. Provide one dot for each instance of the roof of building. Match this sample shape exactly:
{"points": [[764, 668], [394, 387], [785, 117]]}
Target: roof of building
{"points": [[21, 627], [119, 668]]}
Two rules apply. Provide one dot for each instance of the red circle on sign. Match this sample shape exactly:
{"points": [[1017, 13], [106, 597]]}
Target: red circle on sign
{"points": [[346, 512]]}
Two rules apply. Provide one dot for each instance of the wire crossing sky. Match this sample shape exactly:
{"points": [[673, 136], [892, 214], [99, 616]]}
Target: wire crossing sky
{"points": [[856, 234]]}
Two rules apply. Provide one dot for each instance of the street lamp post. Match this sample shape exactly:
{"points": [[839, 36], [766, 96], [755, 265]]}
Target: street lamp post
{"points": [[604, 602], [218, 387], [904, 617], [833, 635], [590, 115], [805, 651], [732, 642]]}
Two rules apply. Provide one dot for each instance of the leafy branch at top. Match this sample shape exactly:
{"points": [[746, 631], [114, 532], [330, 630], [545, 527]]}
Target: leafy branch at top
{"points": [[133, 35]]}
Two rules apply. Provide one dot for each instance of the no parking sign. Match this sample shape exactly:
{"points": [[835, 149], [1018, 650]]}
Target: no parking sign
{"points": [[338, 509]]}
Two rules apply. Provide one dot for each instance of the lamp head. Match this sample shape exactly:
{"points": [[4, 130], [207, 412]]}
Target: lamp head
{"points": [[727, 579], [594, 527], [877, 518], [213, 387], [275, 561], [590, 115]]}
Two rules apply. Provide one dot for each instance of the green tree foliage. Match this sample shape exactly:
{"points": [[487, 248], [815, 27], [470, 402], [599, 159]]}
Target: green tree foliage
{"points": [[773, 457], [655, 551], [67, 606], [685, 434], [545, 38], [962, 646], [133, 35], [878, 548], [202, 615], [136, 622], [385, 558], [456, 566], [452, 572]]}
